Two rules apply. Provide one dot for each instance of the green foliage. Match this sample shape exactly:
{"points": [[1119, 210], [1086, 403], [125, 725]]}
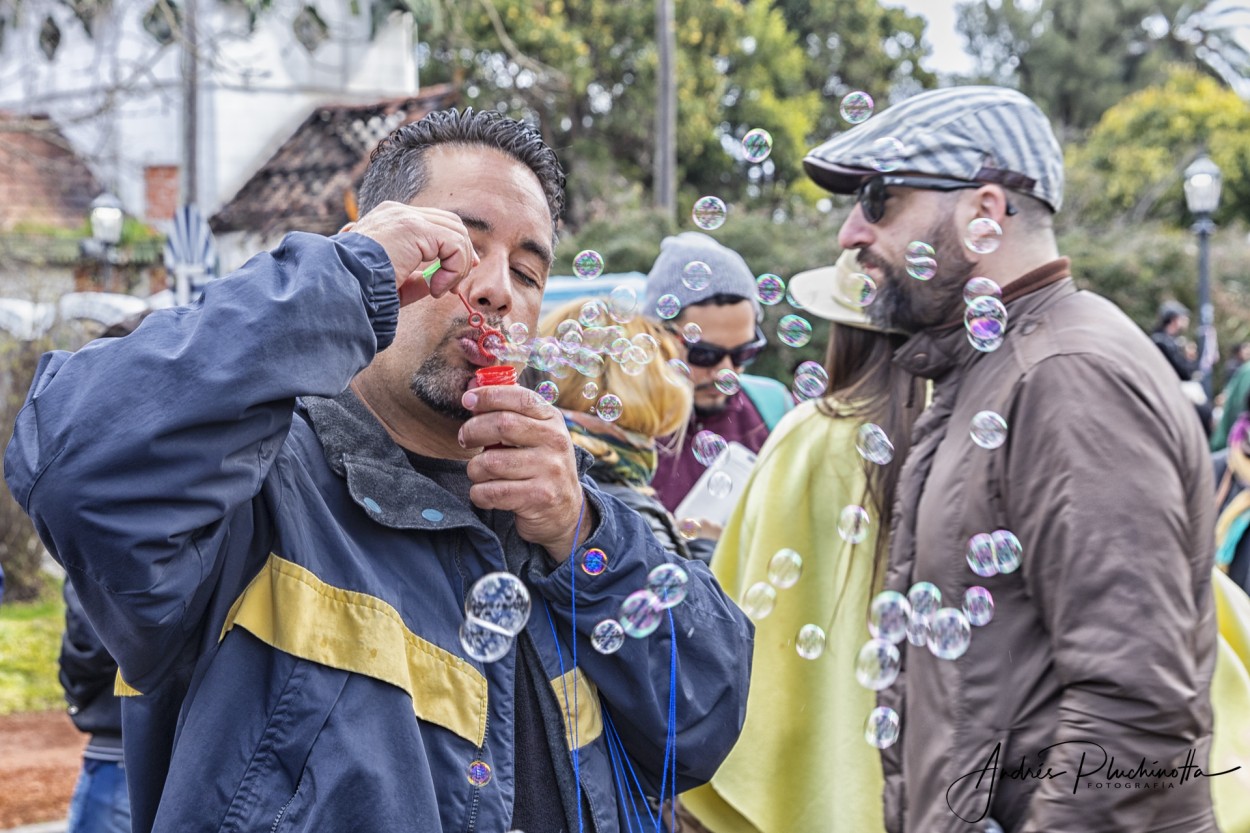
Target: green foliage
{"points": [[1077, 58], [1132, 166], [30, 640]]}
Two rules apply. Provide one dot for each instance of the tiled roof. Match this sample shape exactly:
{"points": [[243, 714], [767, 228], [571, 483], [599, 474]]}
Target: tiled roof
{"points": [[43, 183], [303, 186]]}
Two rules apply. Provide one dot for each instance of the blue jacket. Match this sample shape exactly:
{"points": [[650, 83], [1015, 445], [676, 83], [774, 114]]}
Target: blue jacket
{"points": [[285, 591]]}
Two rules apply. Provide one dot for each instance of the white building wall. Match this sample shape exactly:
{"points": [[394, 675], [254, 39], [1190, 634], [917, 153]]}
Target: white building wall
{"points": [[118, 96]]}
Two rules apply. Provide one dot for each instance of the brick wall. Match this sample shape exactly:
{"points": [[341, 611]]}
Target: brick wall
{"points": [[160, 187]]}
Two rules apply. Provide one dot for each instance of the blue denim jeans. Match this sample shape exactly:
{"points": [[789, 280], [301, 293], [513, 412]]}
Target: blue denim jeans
{"points": [[100, 803]]}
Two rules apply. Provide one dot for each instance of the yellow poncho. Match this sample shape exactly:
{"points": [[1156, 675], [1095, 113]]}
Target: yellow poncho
{"points": [[802, 764]]}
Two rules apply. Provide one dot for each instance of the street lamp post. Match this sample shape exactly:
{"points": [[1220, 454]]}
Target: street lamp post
{"points": [[106, 232], [1202, 195]]}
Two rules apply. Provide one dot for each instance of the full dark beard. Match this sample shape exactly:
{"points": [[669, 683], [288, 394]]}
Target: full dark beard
{"points": [[909, 305]]}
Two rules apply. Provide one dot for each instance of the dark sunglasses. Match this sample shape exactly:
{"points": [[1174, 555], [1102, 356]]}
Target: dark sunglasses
{"points": [[701, 354], [872, 195]]}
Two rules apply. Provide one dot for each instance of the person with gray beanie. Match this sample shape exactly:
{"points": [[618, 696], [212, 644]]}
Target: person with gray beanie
{"points": [[717, 322]]}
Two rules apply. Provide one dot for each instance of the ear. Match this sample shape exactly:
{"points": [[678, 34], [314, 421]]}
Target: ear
{"points": [[345, 229], [992, 202]]}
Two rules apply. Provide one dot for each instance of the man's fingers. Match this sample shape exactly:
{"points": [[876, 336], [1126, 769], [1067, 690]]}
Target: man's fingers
{"points": [[508, 398]]}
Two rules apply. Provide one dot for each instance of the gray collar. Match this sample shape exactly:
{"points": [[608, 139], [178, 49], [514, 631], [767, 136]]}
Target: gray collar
{"points": [[379, 477], [378, 474]]}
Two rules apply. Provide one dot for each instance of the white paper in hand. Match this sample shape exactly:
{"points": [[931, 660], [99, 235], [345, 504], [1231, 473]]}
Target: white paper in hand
{"points": [[708, 498]]}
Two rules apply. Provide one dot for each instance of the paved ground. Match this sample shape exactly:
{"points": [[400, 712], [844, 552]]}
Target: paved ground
{"points": [[40, 754]]}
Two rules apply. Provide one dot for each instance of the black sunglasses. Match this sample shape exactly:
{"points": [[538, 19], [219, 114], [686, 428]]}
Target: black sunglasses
{"points": [[872, 195], [701, 354]]}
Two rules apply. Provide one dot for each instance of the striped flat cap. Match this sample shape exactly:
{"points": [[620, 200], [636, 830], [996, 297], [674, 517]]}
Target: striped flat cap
{"points": [[981, 134]]}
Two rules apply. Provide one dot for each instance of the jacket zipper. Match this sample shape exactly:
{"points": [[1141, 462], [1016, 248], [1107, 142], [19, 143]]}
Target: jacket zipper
{"points": [[477, 791], [282, 812]]}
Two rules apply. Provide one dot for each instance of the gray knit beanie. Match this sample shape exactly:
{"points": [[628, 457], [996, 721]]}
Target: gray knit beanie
{"points": [[730, 273]]}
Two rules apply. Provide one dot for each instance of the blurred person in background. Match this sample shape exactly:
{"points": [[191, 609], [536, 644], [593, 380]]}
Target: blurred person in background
{"points": [[719, 326], [655, 402], [805, 718]]}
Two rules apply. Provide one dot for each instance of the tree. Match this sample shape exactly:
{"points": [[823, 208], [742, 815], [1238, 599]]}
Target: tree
{"points": [[1131, 168], [1077, 58]]}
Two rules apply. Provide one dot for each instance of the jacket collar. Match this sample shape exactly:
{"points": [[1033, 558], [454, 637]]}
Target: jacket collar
{"points": [[933, 353], [379, 476]]}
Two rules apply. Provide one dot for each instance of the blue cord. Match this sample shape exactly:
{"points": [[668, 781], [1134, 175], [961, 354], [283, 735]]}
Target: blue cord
{"points": [[614, 737], [577, 775]]}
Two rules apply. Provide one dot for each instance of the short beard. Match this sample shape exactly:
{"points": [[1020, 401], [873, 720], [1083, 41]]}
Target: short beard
{"points": [[909, 305], [440, 384]]}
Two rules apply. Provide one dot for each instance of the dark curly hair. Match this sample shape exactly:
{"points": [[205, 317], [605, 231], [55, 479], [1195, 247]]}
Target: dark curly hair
{"points": [[398, 170]]}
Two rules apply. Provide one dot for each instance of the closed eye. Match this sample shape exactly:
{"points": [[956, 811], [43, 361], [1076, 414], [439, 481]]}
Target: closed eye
{"points": [[527, 279]]}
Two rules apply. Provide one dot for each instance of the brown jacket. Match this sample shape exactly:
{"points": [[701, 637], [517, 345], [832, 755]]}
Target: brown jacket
{"points": [[1104, 638]]}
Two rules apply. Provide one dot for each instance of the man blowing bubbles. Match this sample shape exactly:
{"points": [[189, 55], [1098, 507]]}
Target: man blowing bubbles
{"points": [[273, 502]]}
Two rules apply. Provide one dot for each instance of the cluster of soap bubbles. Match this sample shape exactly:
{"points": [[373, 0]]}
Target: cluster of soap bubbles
{"points": [[921, 260], [810, 380], [784, 570], [991, 553], [643, 610], [496, 610]]}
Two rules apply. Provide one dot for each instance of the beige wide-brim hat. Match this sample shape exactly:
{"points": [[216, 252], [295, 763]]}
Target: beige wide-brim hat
{"points": [[816, 290]]}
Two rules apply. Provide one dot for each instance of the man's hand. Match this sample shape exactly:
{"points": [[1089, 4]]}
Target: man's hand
{"points": [[413, 236], [534, 475]]}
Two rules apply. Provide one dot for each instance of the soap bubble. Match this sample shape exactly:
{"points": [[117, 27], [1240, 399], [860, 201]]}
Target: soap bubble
{"points": [[607, 637], [882, 729], [608, 407], [794, 330], [978, 606], [720, 484], [594, 562], [921, 264], [641, 613], [548, 390], [668, 306], [811, 380], [586, 362], [855, 288], [784, 568], [986, 322], [518, 332], [727, 382], [499, 600], [856, 107], [756, 145], [989, 430], [707, 446], [925, 598], [878, 664], [949, 633], [479, 773], [793, 301], [759, 600], [681, 368], [590, 390], [888, 615], [622, 304], [545, 355], [692, 333], [669, 583], [483, 642], [978, 287], [592, 313], [696, 275], [983, 236], [873, 445], [493, 344], [853, 524], [981, 555], [1007, 551], [886, 154], [770, 289], [588, 264], [709, 213], [810, 642], [688, 528]]}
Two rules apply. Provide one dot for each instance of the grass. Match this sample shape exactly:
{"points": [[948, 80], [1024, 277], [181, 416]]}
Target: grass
{"points": [[30, 640]]}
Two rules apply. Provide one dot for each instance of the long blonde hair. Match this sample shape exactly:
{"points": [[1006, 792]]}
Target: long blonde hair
{"points": [[655, 403]]}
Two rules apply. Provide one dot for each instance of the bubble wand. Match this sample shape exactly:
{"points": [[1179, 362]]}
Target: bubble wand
{"points": [[500, 374]]}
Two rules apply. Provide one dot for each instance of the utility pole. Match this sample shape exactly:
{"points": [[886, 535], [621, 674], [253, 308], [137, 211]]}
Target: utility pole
{"points": [[190, 104], [665, 163]]}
